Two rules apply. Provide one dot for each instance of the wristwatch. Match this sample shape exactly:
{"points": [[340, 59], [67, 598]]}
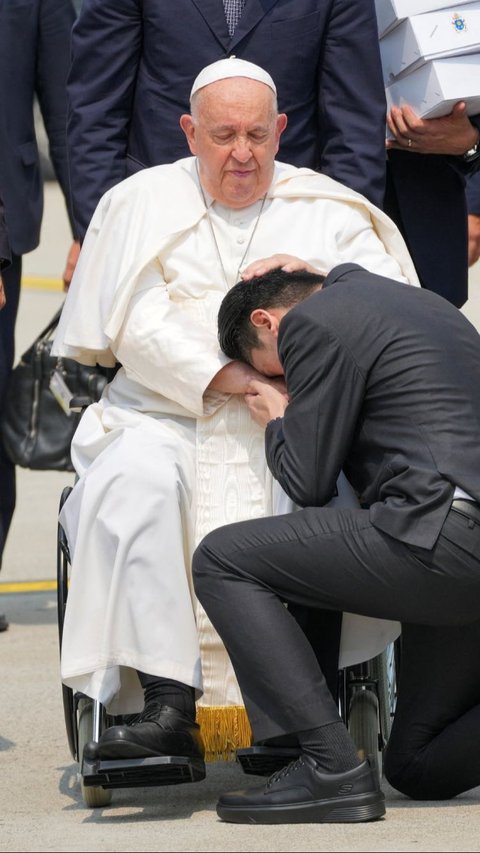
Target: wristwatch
{"points": [[472, 153]]}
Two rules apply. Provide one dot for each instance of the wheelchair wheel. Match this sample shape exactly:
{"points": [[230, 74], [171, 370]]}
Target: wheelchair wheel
{"points": [[384, 673], [63, 563], [93, 796], [363, 725]]}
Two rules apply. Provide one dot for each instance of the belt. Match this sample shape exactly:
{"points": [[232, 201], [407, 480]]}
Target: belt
{"points": [[470, 509]]}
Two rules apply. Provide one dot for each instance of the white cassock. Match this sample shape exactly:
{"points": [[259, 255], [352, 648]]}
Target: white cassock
{"points": [[161, 462]]}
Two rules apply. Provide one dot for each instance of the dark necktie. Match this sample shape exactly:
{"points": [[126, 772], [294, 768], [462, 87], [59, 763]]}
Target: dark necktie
{"points": [[233, 11]]}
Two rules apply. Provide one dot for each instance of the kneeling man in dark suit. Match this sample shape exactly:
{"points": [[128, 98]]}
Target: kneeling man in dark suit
{"points": [[383, 382]]}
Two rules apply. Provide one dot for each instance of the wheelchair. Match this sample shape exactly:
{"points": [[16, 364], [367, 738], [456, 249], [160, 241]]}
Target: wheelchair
{"points": [[366, 691]]}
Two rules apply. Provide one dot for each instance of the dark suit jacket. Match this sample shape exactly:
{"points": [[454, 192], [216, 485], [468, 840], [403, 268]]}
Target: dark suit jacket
{"points": [[134, 62], [384, 380], [34, 59]]}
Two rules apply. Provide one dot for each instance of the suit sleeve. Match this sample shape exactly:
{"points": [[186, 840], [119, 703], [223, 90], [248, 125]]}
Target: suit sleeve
{"points": [[306, 449], [106, 47], [53, 61], [352, 102]]}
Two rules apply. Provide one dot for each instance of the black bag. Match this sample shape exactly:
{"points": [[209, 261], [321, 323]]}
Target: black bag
{"points": [[37, 424]]}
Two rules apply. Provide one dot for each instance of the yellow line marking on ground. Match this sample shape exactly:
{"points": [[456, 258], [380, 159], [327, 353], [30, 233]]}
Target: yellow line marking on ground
{"points": [[41, 283], [27, 586]]}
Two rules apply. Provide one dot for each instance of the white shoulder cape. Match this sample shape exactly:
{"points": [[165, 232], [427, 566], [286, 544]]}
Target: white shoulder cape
{"points": [[136, 219]]}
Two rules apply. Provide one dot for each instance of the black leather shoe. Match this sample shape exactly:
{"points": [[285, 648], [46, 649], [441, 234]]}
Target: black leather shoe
{"points": [[303, 793], [158, 731], [3, 622]]}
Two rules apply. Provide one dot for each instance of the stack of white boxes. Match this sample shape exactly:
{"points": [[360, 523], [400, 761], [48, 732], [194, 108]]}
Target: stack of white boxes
{"points": [[430, 53]]}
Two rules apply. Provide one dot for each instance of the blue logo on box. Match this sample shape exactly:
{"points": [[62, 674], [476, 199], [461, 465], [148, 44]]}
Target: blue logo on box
{"points": [[459, 23]]}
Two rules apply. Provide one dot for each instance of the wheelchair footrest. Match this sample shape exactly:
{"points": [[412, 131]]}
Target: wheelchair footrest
{"points": [[142, 772], [265, 760]]}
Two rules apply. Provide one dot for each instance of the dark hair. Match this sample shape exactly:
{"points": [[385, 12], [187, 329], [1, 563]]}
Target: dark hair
{"points": [[276, 289]]}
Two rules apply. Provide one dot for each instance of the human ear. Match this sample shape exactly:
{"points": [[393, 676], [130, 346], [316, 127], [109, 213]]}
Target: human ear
{"points": [[261, 319], [188, 126], [281, 124]]}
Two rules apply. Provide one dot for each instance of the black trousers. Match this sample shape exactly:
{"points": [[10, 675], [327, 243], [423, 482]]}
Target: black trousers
{"points": [[336, 559], [8, 315]]}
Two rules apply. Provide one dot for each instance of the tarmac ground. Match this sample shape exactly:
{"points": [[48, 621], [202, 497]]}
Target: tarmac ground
{"points": [[41, 802]]}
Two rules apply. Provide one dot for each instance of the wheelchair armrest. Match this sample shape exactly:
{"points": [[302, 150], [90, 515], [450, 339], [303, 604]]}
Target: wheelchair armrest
{"points": [[78, 403]]}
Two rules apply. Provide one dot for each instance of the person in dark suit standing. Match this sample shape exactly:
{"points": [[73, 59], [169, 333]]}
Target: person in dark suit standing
{"points": [[382, 382], [134, 61], [34, 60], [428, 161]]}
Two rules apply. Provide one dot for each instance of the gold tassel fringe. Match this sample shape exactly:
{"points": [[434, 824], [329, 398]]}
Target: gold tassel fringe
{"points": [[225, 728]]}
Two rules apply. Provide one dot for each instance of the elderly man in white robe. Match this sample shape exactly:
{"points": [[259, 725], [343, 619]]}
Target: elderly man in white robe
{"points": [[170, 451]]}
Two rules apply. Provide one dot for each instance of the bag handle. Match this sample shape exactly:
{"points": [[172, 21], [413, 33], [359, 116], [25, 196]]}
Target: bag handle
{"points": [[50, 328]]}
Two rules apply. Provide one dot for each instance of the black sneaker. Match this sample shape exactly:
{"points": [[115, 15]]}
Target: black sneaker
{"points": [[303, 793]]}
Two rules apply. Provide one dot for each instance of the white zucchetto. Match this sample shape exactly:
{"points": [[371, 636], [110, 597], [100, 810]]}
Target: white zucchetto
{"points": [[231, 67]]}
